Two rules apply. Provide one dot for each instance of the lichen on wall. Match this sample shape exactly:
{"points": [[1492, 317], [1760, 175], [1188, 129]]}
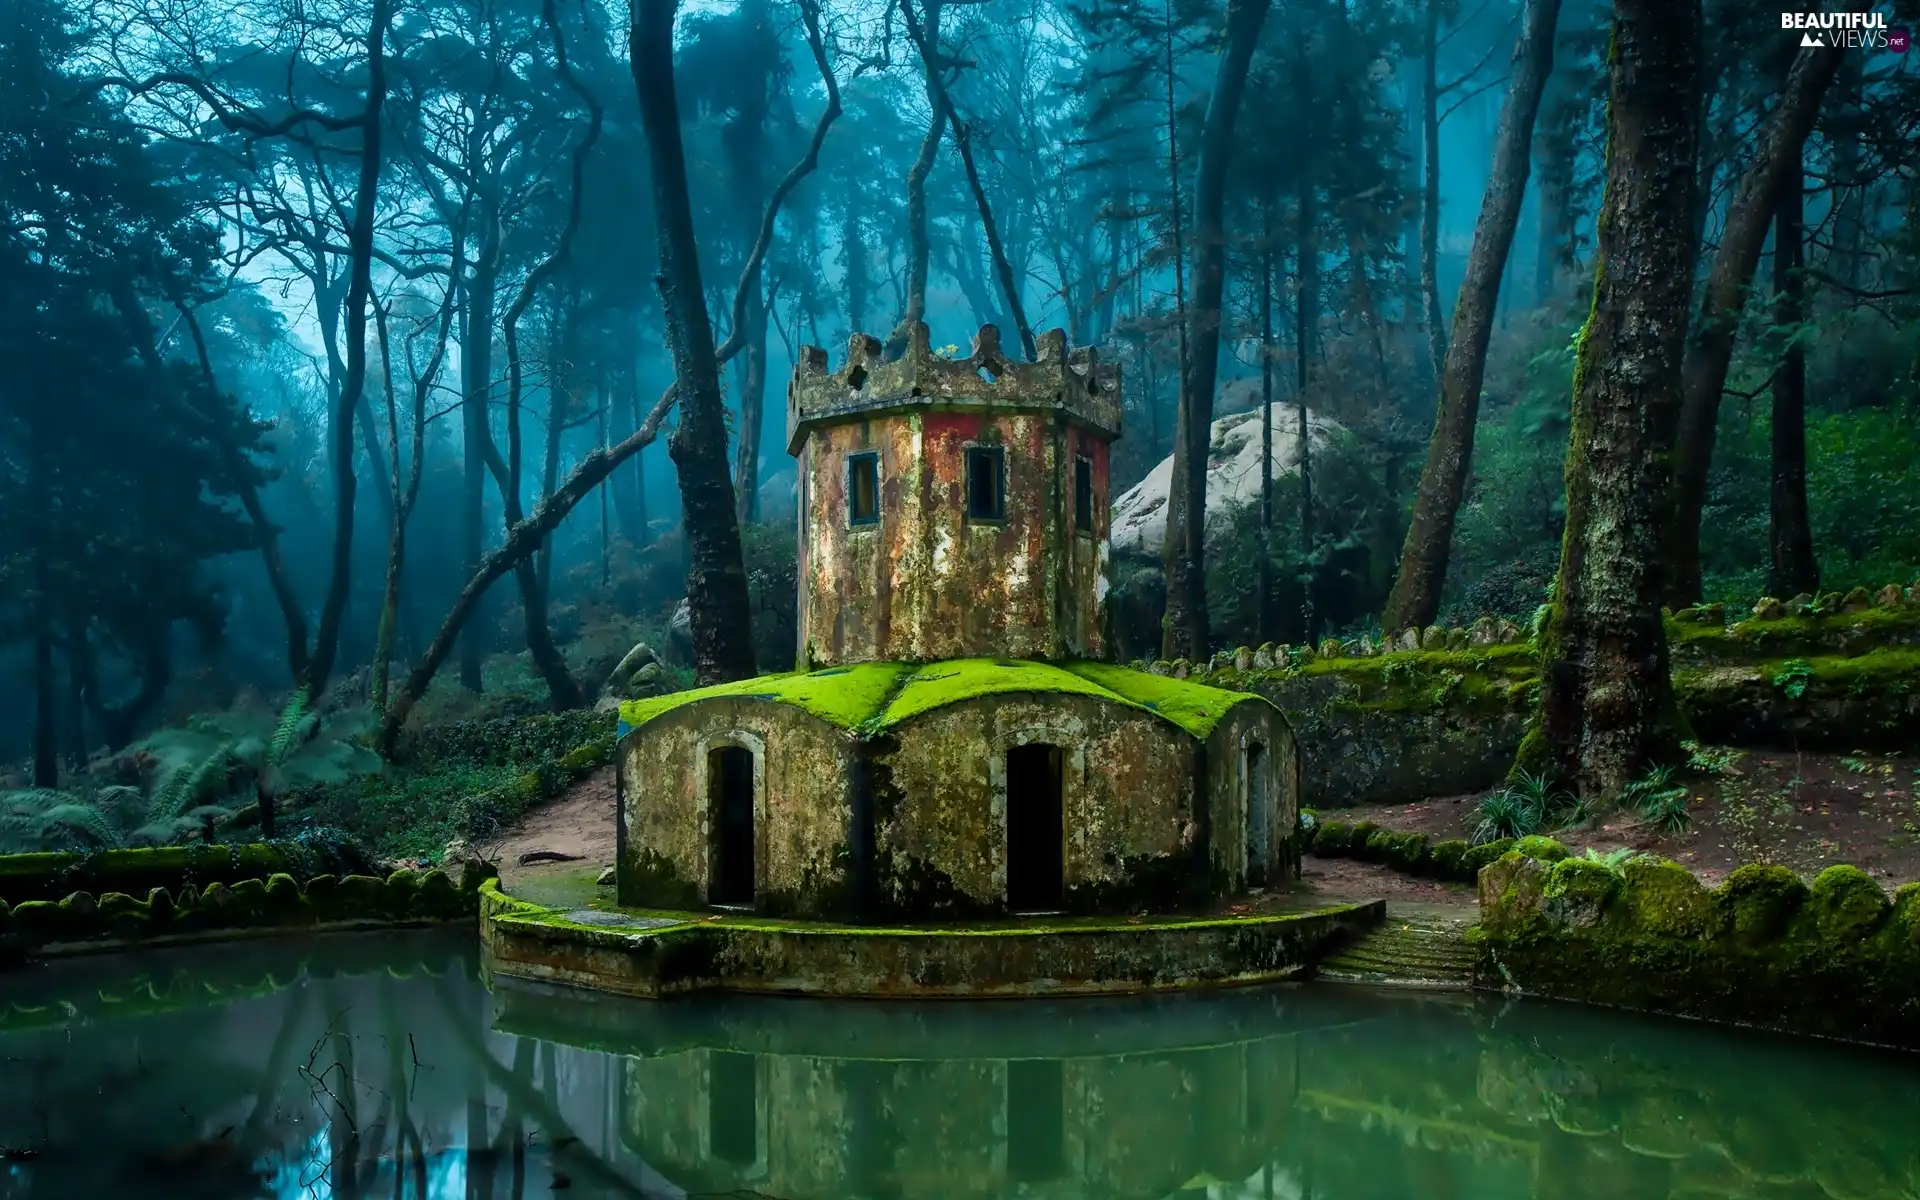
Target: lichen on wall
{"points": [[801, 826], [940, 832], [1837, 957]]}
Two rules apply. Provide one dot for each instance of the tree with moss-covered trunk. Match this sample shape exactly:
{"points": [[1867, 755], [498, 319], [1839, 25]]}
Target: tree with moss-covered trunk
{"points": [[1606, 702]]}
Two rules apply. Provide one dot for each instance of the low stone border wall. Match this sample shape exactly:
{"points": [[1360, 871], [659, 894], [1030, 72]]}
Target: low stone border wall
{"points": [[83, 922], [1839, 958], [54, 876], [675, 954], [1454, 860]]}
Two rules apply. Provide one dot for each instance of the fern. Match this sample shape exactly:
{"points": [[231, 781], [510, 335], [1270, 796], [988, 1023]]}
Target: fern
{"points": [[292, 728], [80, 823]]}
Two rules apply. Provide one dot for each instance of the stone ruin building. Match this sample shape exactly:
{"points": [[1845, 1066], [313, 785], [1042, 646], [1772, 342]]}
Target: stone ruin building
{"points": [[950, 744]]}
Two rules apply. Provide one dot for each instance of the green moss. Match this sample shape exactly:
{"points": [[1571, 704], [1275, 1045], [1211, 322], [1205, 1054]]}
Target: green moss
{"points": [[247, 902], [1447, 860], [587, 757], [1194, 707], [1578, 890], [1332, 839], [1478, 858], [651, 879], [399, 893], [283, 897], [870, 697], [1757, 901], [843, 696], [1846, 904], [1664, 899], [1543, 848], [358, 898]]}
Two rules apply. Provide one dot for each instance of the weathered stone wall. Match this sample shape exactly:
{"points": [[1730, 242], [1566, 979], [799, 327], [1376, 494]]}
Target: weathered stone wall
{"points": [[1231, 793], [925, 582], [802, 806], [940, 804], [1442, 712], [1839, 958]]}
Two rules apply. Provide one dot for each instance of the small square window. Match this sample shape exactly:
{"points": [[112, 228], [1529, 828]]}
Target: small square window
{"points": [[986, 484], [863, 489], [1083, 496]]}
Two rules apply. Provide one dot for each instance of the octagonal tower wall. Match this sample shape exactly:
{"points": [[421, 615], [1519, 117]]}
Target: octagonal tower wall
{"points": [[906, 563]]}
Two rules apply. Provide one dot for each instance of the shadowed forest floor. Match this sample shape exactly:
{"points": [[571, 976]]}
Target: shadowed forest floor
{"points": [[1804, 811]]}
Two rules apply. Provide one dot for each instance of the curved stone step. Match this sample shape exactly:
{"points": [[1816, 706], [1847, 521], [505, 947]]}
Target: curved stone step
{"points": [[1411, 952]]}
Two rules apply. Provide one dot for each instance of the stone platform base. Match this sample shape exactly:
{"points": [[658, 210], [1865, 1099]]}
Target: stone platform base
{"points": [[638, 953]]}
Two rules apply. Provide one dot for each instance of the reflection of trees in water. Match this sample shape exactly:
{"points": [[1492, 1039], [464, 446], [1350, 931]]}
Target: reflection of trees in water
{"points": [[345, 1085]]}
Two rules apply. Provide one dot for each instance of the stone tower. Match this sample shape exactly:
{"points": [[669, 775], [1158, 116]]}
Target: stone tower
{"points": [[951, 508]]}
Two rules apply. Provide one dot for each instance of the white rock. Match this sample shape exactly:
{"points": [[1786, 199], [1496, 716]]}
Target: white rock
{"points": [[1233, 476]]}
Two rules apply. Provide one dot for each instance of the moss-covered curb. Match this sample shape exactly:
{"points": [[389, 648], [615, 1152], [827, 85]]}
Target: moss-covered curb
{"points": [[1838, 958], [84, 923], [25, 877], [1453, 861], [671, 954], [870, 698]]}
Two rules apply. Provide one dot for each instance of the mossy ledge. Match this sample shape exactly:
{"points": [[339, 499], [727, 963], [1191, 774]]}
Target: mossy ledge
{"points": [[664, 954], [1836, 958], [1453, 861], [190, 910]]}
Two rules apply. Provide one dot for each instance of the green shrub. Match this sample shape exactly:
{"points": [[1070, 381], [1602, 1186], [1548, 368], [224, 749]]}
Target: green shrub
{"points": [[1408, 852], [1358, 842]]}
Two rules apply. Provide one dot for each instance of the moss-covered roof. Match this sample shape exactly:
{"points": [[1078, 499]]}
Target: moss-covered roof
{"points": [[870, 697]]}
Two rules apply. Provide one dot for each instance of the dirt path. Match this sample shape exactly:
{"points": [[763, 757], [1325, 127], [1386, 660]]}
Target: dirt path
{"points": [[579, 824]]}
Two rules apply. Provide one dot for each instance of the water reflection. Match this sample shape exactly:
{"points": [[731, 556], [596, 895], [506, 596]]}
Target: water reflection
{"points": [[382, 1067]]}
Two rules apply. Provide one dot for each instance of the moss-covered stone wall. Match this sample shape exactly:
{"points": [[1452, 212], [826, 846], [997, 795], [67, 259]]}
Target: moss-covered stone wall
{"points": [[52, 876], [803, 806], [1837, 958], [191, 908], [1443, 711], [940, 795]]}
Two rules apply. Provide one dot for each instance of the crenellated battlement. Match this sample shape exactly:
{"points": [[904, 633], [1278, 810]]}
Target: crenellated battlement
{"points": [[1072, 382]]}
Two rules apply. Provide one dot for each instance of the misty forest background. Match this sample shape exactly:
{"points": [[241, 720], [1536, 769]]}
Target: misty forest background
{"points": [[379, 365]]}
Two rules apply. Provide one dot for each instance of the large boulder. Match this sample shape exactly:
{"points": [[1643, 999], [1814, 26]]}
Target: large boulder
{"points": [[1233, 476]]}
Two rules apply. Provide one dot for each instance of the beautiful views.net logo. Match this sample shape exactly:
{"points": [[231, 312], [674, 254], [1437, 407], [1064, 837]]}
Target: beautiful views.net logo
{"points": [[1846, 31]]}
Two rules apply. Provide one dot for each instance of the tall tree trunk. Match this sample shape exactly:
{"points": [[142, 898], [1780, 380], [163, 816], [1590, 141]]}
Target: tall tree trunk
{"points": [[716, 579], [1711, 351], [1244, 21], [919, 250], [1415, 599], [1174, 624], [359, 288], [46, 704], [1606, 706], [629, 484], [853, 243], [753, 396], [1306, 323], [1430, 195], [1264, 611], [476, 435], [1793, 569]]}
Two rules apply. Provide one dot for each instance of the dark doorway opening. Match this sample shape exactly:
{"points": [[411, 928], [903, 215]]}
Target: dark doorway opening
{"points": [[730, 778], [1036, 837], [1036, 1120], [1259, 817], [733, 1107]]}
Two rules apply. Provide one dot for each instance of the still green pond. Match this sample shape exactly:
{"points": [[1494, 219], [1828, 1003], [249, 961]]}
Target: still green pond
{"points": [[383, 1066]]}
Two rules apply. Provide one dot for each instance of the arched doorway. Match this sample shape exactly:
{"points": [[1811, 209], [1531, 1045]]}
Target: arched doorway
{"points": [[1259, 816]]}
